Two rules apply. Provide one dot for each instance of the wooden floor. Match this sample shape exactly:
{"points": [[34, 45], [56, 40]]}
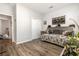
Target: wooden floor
{"points": [[33, 48]]}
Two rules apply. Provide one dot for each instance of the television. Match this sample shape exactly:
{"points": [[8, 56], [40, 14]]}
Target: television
{"points": [[58, 20]]}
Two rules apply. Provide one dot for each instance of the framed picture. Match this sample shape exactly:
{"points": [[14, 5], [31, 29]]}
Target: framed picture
{"points": [[58, 20]]}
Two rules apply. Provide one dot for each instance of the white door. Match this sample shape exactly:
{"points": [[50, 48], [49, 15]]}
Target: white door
{"points": [[36, 28]]}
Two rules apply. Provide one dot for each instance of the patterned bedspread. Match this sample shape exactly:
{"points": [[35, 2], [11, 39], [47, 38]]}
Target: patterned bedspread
{"points": [[55, 38]]}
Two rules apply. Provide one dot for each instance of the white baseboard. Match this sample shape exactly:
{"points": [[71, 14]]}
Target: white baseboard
{"points": [[20, 42]]}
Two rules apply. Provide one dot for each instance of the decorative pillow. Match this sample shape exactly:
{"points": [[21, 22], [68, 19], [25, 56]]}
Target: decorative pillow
{"points": [[57, 31], [49, 31], [66, 33]]}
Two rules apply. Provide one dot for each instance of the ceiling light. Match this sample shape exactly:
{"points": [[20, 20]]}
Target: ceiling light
{"points": [[50, 7]]}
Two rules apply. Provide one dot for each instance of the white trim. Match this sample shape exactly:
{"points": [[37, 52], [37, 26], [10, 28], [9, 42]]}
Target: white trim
{"points": [[20, 42]]}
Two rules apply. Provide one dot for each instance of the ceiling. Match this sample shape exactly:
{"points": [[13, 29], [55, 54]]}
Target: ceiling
{"points": [[44, 8], [11, 4]]}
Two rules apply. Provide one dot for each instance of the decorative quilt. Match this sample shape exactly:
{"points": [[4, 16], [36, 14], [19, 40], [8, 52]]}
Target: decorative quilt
{"points": [[55, 38]]}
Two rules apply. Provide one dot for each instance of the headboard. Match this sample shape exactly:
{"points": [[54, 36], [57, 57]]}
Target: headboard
{"points": [[60, 30]]}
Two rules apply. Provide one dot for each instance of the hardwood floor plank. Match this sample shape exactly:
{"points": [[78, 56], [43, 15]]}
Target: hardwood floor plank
{"points": [[34, 48]]}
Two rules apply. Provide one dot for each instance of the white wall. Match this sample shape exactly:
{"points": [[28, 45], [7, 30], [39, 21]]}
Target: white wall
{"points": [[24, 18], [6, 9], [6, 24], [71, 12], [0, 27]]}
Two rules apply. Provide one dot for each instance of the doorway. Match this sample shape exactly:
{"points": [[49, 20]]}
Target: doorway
{"points": [[6, 27], [36, 28]]}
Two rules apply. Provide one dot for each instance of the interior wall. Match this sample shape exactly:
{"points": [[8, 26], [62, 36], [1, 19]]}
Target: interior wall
{"points": [[24, 18], [6, 9], [6, 24], [71, 13], [0, 27]]}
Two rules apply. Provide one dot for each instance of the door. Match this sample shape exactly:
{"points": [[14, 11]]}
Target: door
{"points": [[36, 28]]}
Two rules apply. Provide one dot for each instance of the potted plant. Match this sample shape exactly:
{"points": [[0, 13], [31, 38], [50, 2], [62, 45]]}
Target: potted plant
{"points": [[72, 47], [77, 36]]}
